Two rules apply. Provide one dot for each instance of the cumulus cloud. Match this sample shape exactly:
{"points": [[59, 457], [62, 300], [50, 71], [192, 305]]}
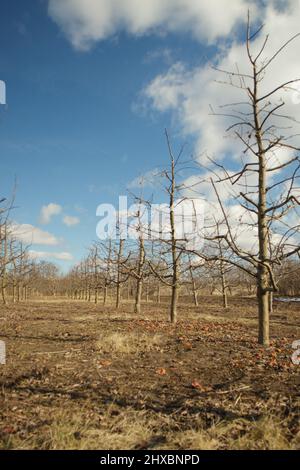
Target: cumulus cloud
{"points": [[70, 221], [47, 212], [85, 22], [61, 256], [29, 234], [189, 93]]}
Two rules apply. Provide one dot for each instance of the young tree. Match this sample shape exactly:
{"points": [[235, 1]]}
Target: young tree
{"points": [[265, 187], [174, 244]]}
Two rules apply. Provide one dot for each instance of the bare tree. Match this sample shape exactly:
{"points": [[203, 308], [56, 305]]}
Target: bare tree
{"points": [[272, 193], [174, 245]]}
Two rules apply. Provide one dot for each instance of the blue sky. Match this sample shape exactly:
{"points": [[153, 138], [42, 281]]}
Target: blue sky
{"points": [[88, 101], [72, 133]]}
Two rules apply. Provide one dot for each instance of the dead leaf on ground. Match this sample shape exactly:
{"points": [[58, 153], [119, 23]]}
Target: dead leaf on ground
{"points": [[161, 371]]}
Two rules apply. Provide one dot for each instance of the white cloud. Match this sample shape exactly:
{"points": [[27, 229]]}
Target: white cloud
{"points": [[63, 256], [85, 22], [32, 235], [163, 54], [70, 221], [47, 212], [148, 179], [188, 92]]}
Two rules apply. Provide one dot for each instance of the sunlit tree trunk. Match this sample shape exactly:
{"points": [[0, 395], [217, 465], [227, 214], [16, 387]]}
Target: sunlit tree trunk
{"points": [[120, 253]]}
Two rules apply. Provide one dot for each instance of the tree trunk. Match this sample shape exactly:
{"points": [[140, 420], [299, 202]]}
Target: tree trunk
{"points": [[4, 261], [158, 294], [118, 299], [173, 311], [105, 295], [270, 302], [263, 309], [3, 290], [118, 296], [139, 284], [138, 296], [224, 289], [14, 292], [262, 271], [128, 291], [195, 295]]}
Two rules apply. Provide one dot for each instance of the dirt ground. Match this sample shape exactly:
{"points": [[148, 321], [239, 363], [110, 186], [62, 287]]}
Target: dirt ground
{"points": [[81, 376]]}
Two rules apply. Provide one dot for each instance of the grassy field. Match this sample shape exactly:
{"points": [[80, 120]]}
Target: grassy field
{"points": [[80, 376]]}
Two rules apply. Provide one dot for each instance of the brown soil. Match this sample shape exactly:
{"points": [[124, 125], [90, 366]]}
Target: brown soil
{"points": [[75, 369]]}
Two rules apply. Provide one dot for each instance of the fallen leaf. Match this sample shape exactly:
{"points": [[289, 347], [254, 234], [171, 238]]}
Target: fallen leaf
{"points": [[161, 372], [104, 363], [198, 386]]}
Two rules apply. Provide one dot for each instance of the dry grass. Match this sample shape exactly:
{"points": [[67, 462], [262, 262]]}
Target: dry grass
{"points": [[132, 343], [116, 429], [113, 429], [267, 433]]}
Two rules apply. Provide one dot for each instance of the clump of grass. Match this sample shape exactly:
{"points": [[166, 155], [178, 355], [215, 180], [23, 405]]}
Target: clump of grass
{"points": [[192, 439], [129, 343], [268, 433], [115, 429]]}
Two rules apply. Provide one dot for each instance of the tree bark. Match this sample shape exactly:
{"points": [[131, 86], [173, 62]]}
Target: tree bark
{"points": [[174, 299], [262, 271], [118, 298], [195, 294], [158, 294], [139, 283], [138, 296], [105, 295]]}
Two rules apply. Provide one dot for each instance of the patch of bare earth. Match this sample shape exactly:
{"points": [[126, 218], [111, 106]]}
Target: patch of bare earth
{"points": [[80, 376]]}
